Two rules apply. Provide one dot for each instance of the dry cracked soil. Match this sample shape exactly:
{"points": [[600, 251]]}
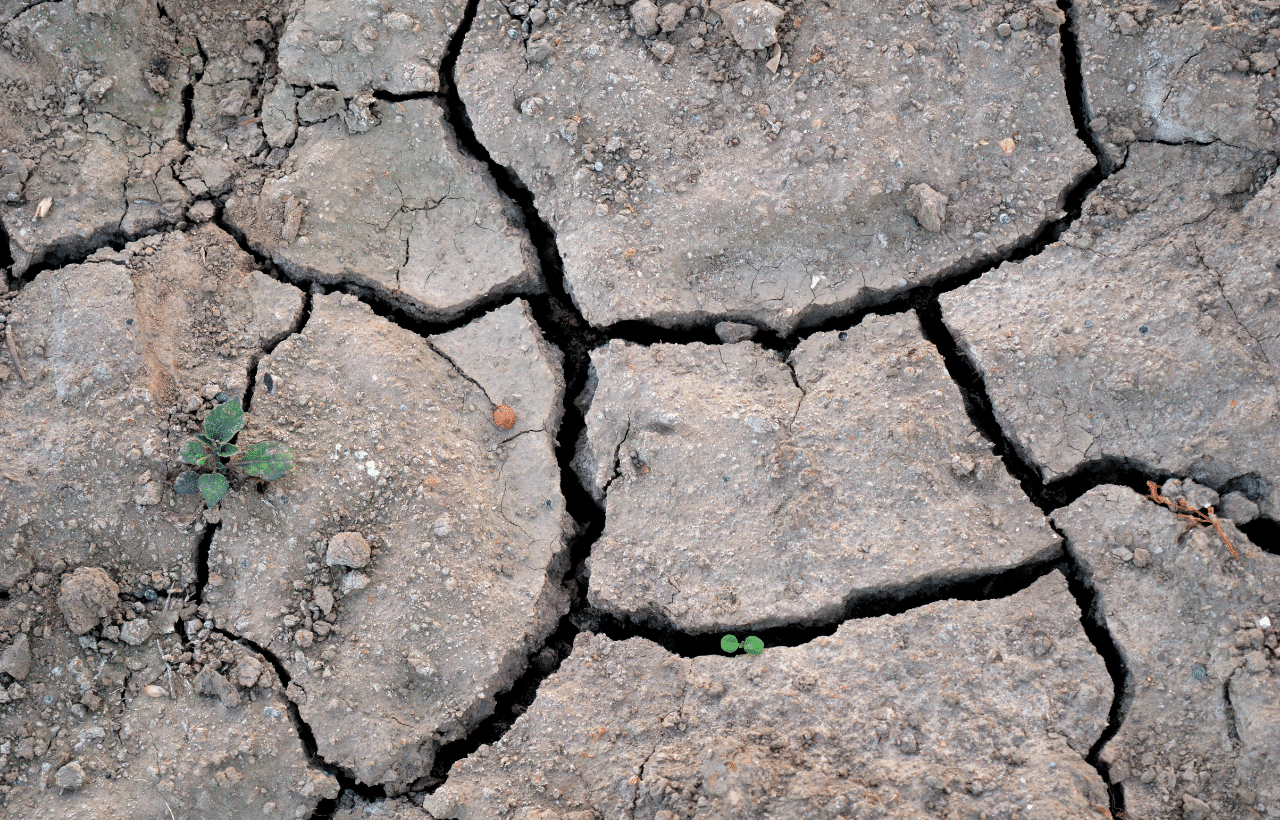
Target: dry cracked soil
{"points": [[935, 344]]}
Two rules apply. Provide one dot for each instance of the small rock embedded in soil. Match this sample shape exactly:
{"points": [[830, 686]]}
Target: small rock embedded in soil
{"points": [[135, 632], [15, 660], [348, 549], [753, 23], [745, 491], [70, 777], [734, 332], [928, 207], [1204, 676], [882, 716], [87, 596], [1149, 334]]}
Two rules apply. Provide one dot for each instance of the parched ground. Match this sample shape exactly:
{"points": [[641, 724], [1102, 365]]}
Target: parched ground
{"points": [[934, 345]]}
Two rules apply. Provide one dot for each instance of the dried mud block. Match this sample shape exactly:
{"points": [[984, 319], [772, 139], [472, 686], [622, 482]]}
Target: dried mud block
{"points": [[505, 354], [1179, 73], [739, 495], [992, 703], [465, 525], [86, 597], [389, 48], [118, 353], [151, 757], [688, 182], [398, 209], [1197, 631], [1150, 336], [227, 111], [94, 112]]}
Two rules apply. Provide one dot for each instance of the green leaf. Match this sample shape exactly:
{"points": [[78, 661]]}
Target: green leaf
{"points": [[268, 460], [213, 487], [193, 453], [228, 450], [729, 643], [753, 645], [187, 483], [203, 439], [224, 421]]}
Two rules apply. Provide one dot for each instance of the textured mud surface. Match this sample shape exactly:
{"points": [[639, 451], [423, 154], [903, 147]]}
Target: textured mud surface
{"points": [[602, 330]]}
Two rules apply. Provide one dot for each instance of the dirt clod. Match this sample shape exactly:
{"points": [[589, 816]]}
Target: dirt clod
{"points": [[87, 596]]}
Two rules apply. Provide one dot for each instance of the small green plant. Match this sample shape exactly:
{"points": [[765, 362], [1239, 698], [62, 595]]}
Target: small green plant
{"points": [[211, 453], [752, 645]]}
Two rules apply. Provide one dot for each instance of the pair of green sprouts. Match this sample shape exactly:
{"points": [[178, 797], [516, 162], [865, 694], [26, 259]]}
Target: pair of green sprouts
{"points": [[752, 645], [212, 451]]}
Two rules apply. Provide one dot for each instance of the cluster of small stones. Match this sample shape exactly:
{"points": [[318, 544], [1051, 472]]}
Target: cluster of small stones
{"points": [[173, 176]]}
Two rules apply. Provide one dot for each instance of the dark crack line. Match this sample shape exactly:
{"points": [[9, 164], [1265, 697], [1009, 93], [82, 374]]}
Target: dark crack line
{"points": [[1094, 621], [189, 96], [6, 258], [346, 781], [304, 316], [397, 312], [891, 600], [564, 325], [202, 561], [559, 318]]}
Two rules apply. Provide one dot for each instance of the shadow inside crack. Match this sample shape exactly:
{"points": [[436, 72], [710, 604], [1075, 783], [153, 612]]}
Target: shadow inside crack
{"points": [[1093, 619], [202, 562], [346, 781], [251, 380], [6, 258], [1264, 533], [891, 600]]}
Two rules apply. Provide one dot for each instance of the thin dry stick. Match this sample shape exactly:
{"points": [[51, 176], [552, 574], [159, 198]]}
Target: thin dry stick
{"points": [[13, 352], [157, 791], [1190, 513]]}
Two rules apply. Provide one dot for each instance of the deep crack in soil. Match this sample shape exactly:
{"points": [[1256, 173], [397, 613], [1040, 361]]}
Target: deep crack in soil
{"points": [[346, 782]]}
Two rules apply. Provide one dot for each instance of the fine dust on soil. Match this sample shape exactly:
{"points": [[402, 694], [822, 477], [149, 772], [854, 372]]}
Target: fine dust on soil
{"points": [[838, 324]]}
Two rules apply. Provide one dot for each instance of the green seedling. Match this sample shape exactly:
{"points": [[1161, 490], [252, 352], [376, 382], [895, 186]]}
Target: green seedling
{"points": [[212, 451], [752, 645]]}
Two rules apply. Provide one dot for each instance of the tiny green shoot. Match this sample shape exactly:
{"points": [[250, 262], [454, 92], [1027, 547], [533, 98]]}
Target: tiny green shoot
{"points": [[211, 454], [752, 645]]}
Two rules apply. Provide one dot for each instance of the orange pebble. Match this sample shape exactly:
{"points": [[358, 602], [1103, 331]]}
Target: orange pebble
{"points": [[504, 417]]}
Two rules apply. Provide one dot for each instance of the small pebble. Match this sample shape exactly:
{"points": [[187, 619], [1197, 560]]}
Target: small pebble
{"points": [[70, 776], [348, 549]]}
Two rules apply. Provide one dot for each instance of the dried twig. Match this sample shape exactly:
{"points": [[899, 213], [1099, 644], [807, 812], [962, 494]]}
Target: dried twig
{"points": [[13, 352], [157, 791], [168, 671], [1190, 513]]}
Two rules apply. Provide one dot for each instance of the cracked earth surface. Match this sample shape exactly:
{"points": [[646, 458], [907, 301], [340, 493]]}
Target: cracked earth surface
{"points": [[862, 328]]}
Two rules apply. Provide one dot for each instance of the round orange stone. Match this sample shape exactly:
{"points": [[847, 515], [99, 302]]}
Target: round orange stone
{"points": [[504, 417]]}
